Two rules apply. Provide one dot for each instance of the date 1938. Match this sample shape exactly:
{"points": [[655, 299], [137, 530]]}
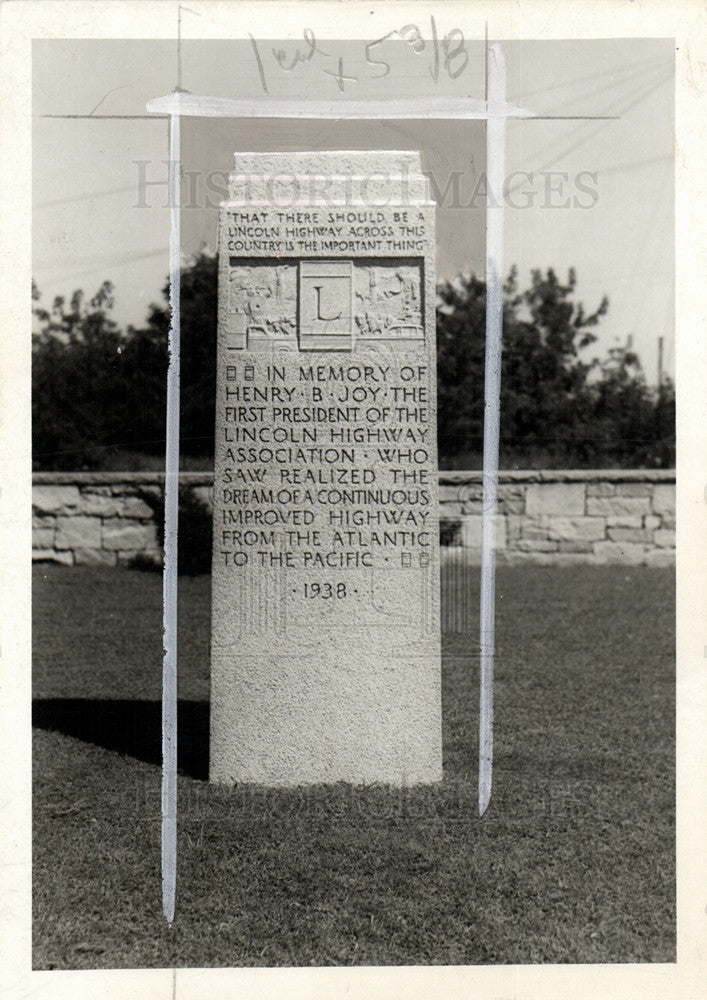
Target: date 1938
{"points": [[327, 591]]}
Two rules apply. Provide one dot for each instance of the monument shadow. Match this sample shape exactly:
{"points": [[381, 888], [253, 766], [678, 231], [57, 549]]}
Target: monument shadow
{"points": [[133, 728]]}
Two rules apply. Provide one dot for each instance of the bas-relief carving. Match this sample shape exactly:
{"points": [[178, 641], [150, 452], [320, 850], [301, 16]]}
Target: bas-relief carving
{"points": [[265, 296], [262, 301], [388, 301]]}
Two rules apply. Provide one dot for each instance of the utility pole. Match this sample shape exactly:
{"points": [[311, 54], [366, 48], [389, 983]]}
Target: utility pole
{"points": [[659, 401]]}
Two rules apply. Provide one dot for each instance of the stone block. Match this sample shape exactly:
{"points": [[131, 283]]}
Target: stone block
{"points": [[52, 555], [562, 499], [534, 528], [664, 498], [55, 499], [576, 547], [629, 535], [100, 504], [511, 491], [134, 536], [601, 489], [660, 557], [454, 493], [634, 489], [471, 532], [667, 521], [570, 529], [651, 522], [502, 508], [43, 532], [664, 539], [513, 527], [145, 489], [535, 545], [135, 507], [78, 532], [94, 557], [621, 512], [619, 552], [511, 506], [547, 558], [613, 507], [624, 521]]}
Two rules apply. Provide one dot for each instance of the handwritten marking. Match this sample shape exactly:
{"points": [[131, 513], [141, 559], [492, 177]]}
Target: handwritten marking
{"points": [[259, 61], [339, 77], [435, 44], [280, 55], [453, 49]]}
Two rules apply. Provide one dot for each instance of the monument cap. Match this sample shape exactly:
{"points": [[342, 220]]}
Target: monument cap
{"points": [[353, 177]]}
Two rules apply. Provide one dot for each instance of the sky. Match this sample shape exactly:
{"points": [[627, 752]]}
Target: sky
{"points": [[595, 193]]}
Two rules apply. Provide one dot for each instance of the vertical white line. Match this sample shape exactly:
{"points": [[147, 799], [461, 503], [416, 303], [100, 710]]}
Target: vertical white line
{"points": [[495, 170], [171, 508]]}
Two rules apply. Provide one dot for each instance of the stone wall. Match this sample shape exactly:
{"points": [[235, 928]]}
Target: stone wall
{"points": [[548, 516], [95, 518], [625, 516]]}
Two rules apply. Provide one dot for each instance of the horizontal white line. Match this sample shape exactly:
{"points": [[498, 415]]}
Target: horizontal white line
{"points": [[182, 103]]}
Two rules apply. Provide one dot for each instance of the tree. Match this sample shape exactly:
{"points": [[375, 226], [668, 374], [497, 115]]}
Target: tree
{"points": [[198, 307], [78, 397], [629, 421], [99, 393], [542, 375], [556, 408]]}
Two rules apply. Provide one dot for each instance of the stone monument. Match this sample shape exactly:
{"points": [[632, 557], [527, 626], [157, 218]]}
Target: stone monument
{"points": [[325, 640]]}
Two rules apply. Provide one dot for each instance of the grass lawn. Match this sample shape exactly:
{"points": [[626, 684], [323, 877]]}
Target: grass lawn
{"points": [[573, 862]]}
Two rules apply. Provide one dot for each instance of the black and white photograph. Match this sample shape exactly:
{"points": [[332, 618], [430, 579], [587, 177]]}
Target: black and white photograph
{"points": [[351, 379]]}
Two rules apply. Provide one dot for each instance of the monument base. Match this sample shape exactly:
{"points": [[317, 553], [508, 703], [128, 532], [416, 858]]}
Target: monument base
{"points": [[324, 721]]}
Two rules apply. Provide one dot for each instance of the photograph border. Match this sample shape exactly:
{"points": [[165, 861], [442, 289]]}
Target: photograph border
{"points": [[23, 20]]}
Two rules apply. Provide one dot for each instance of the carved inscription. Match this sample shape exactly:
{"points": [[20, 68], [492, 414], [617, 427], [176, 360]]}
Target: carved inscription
{"points": [[325, 468], [322, 232]]}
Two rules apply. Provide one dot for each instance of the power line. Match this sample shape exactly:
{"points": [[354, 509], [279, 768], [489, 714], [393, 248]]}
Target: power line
{"points": [[626, 70], [649, 248], [636, 165], [121, 261], [83, 197], [642, 94], [647, 73]]}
